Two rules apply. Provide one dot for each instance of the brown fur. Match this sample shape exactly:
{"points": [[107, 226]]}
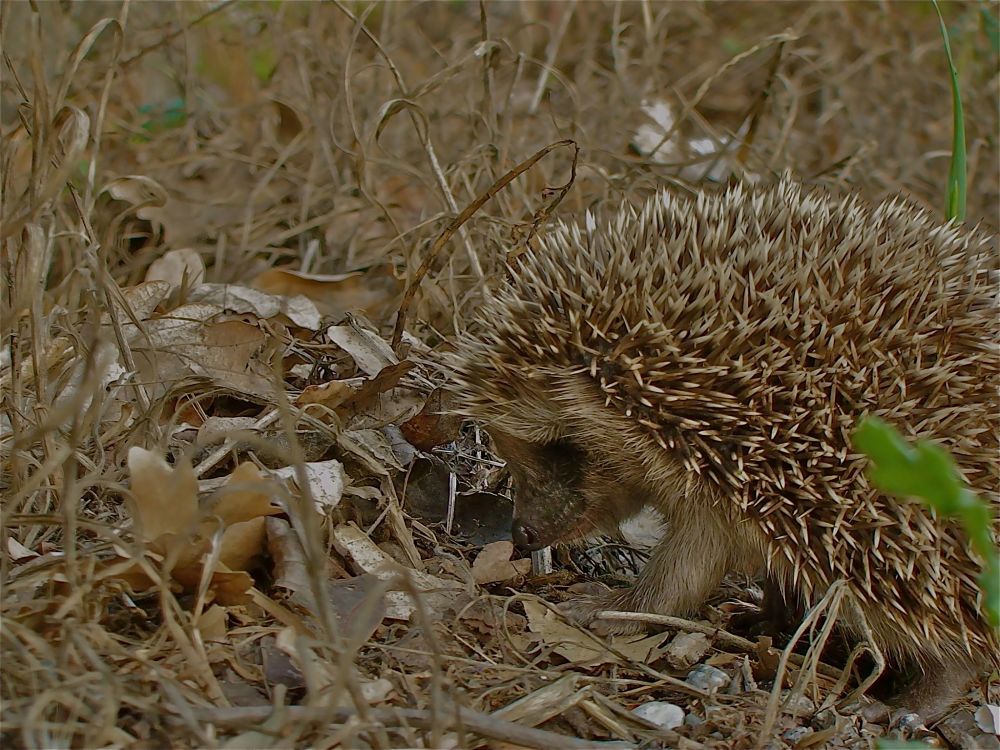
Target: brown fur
{"points": [[710, 359]]}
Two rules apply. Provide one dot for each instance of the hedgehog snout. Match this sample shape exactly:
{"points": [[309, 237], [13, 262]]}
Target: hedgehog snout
{"points": [[525, 537]]}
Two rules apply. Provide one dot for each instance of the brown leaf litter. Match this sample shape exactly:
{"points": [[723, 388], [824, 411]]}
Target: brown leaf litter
{"points": [[233, 512]]}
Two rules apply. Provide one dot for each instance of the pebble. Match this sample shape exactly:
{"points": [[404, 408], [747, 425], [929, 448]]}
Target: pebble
{"points": [[801, 706], [707, 678], [693, 720], [666, 715], [797, 734]]}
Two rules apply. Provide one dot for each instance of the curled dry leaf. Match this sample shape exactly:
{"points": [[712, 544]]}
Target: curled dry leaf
{"points": [[366, 395], [434, 425], [349, 397], [371, 353], [166, 510], [366, 557], [247, 495], [197, 342], [372, 448], [375, 292], [18, 552], [299, 310], [331, 394], [141, 299], [326, 482], [181, 267], [686, 649]]}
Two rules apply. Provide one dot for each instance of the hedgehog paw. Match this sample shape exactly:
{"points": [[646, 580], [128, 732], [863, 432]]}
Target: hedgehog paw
{"points": [[583, 610]]}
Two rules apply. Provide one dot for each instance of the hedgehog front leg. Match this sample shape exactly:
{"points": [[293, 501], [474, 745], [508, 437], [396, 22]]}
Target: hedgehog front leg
{"points": [[683, 570]]}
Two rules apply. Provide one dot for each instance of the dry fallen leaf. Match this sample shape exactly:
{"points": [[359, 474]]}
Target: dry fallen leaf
{"points": [[581, 648], [326, 482], [375, 292], [299, 310], [356, 547], [17, 551], [212, 624], [435, 424], [246, 495], [331, 394], [192, 342], [178, 267], [686, 649], [165, 498], [371, 353], [166, 510], [493, 564]]}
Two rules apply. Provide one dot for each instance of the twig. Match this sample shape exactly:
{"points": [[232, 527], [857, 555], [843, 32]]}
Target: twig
{"points": [[474, 721], [423, 135], [831, 601], [458, 221], [175, 33], [723, 637]]}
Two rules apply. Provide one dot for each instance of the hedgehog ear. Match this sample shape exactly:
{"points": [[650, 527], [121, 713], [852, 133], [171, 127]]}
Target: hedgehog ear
{"points": [[529, 411]]}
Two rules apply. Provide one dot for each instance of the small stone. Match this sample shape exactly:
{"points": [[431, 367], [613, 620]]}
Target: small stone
{"points": [[825, 719], [800, 706], [693, 720], [707, 678], [797, 734], [908, 723], [666, 715]]}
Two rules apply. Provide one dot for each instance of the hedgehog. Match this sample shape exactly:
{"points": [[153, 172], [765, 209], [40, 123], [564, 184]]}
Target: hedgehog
{"points": [[708, 358]]}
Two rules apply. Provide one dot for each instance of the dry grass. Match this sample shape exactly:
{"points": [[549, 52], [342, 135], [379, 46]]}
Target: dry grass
{"points": [[331, 138]]}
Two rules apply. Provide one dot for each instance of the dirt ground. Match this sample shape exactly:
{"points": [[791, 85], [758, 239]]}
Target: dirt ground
{"points": [[216, 468]]}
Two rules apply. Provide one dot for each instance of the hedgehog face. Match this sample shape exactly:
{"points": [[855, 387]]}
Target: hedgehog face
{"points": [[560, 492]]}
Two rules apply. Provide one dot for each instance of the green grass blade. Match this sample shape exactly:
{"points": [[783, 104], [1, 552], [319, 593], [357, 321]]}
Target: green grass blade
{"points": [[955, 206]]}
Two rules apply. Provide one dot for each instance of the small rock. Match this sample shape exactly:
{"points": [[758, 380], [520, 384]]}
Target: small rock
{"points": [[797, 734], [986, 742], [800, 706], [908, 723], [707, 678], [693, 720], [666, 715], [825, 719]]}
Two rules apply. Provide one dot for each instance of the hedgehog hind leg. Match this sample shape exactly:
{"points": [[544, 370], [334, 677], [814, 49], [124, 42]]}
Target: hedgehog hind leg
{"points": [[935, 687]]}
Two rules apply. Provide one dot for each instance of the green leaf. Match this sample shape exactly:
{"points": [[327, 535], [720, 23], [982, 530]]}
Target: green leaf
{"points": [[923, 470], [926, 471]]}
